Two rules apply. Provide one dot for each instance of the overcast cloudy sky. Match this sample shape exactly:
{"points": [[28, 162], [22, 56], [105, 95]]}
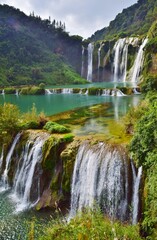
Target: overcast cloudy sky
{"points": [[82, 17]]}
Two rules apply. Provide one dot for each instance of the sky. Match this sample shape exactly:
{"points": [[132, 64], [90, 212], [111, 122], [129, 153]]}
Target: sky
{"points": [[81, 17]]}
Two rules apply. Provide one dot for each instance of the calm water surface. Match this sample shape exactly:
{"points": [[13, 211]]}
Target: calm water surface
{"points": [[56, 103]]}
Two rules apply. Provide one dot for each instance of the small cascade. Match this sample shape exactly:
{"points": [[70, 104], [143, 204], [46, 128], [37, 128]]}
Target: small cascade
{"points": [[100, 177], [47, 91], [82, 66], [135, 199], [1, 158], [3, 92], [90, 61], [4, 179], [138, 62], [67, 90], [24, 176], [119, 93], [106, 92], [17, 92]]}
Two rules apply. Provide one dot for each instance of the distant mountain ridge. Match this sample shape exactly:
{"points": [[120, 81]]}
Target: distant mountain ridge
{"points": [[134, 20], [33, 50]]}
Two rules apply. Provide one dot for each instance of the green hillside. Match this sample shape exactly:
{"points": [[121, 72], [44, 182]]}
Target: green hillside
{"points": [[33, 50], [135, 20]]}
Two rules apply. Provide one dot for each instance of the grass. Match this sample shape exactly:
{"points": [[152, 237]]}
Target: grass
{"points": [[91, 225]]}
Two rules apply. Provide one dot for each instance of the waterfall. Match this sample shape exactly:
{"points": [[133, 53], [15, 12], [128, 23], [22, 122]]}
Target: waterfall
{"points": [[135, 199], [8, 161], [67, 90], [1, 158], [47, 91], [82, 66], [100, 176], [99, 56], [118, 50], [123, 65], [24, 176], [90, 61], [138, 62]]}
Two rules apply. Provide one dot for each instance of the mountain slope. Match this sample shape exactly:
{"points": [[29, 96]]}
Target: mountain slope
{"points": [[33, 50], [135, 20]]}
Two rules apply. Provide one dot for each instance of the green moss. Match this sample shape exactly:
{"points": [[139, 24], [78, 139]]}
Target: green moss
{"points": [[68, 138], [94, 91], [53, 127], [32, 91], [10, 90], [76, 90], [51, 152]]}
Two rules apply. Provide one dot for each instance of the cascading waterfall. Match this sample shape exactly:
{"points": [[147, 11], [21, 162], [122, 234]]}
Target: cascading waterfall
{"points": [[82, 66], [1, 158], [135, 199], [118, 49], [138, 62], [23, 180], [103, 176], [4, 179], [100, 176], [90, 61], [99, 57]]}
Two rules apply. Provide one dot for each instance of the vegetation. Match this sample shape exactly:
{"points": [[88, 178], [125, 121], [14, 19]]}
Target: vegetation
{"points": [[53, 127], [89, 225], [135, 20], [34, 51]]}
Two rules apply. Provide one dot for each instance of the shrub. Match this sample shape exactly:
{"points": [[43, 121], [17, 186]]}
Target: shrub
{"points": [[53, 127], [31, 125]]}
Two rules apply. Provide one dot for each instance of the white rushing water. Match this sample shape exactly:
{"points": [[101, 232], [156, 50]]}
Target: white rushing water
{"points": [[99, 58], [101, 176], [5, 183], [23, 180], [90, 62], [1, 158], [98, 178], [118, 49], [82, 65], [135, 199], [138, 62]]}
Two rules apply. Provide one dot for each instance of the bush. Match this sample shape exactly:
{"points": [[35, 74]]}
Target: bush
{"points": [[149, 84], [53, 127], [31, 125]]}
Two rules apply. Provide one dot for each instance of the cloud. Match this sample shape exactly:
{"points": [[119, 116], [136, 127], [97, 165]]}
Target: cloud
{"points": [[82, 17]]}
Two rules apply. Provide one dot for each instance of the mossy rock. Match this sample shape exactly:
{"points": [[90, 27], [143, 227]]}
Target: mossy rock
{"points": [[10, 90], [68, 157], [54, 127], [52, 149]]}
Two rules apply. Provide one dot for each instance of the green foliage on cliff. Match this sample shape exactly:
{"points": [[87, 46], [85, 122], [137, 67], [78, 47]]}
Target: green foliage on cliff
{"points": [[33, 50], [143, 148], [136, 19]]}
